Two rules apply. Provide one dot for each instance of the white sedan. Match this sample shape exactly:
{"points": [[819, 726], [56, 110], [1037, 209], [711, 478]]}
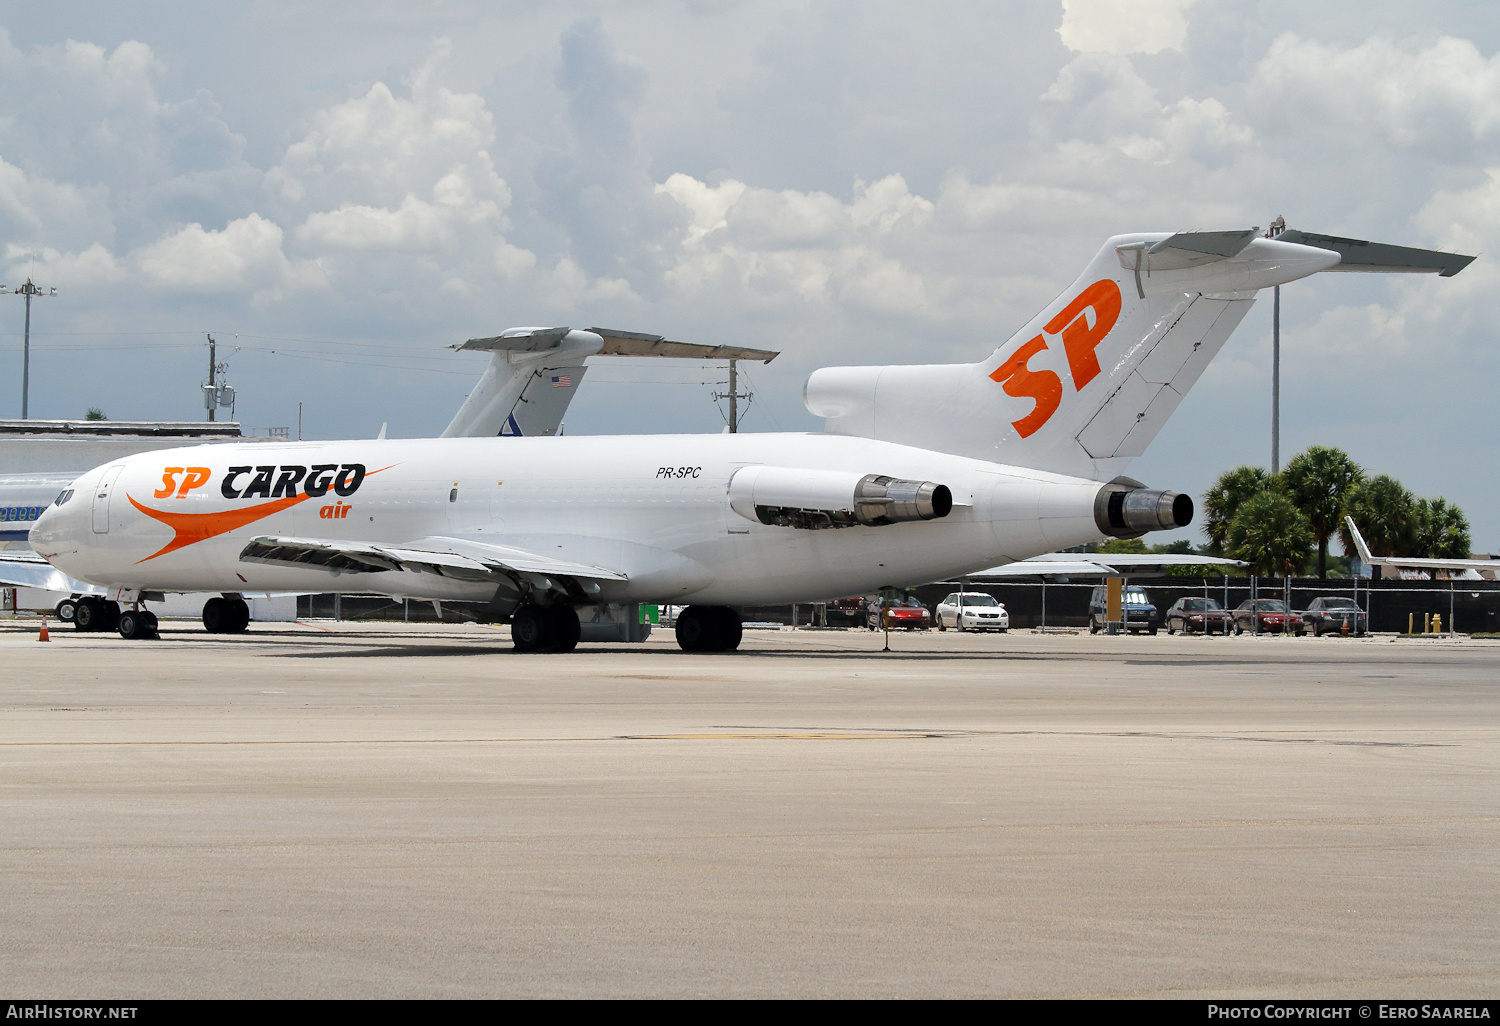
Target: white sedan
{"points": [[972, 611]]}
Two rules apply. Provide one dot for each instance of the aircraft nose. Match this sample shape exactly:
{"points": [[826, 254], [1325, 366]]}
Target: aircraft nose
{"points": [[45, 529], [50, 530]]}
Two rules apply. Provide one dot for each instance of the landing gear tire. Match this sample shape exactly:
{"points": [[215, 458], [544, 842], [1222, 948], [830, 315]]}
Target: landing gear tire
{"points": [[531, 629], [731, 629], [95, 614], [709, 629], [1093, 626], [565, 628], [226, 615], [66, 610], [137, 624]]}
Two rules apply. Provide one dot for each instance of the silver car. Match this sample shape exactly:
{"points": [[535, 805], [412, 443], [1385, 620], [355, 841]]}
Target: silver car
{"points": [[972, 611]]}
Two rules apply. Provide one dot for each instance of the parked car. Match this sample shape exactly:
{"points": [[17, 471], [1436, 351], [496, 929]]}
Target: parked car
{"points": [[1335, 613], [901, 614], [1197, 616], [1140, 614], [846, 612], [1272, 614], [972, 611]]}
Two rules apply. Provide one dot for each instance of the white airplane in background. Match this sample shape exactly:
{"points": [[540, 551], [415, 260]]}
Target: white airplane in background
{"points": [[923, 473], [1471, 569]]}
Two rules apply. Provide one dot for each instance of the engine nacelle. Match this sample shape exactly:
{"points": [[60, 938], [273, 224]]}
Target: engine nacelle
{"points": [[1128, 509], [816, 499]]}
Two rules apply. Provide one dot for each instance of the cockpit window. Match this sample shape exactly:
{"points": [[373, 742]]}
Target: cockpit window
{"points": [[64, 497]]}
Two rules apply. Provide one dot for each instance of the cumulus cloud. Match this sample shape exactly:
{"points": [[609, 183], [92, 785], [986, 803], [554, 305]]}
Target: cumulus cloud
{"points": [[93, 121], [1442, 100], [809, 246], [1124, 26], [244, 256]]}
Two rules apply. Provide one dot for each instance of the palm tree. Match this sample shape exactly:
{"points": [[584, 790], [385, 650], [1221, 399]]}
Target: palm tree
{"points": [[1221, 502], [1271, 534], [1442, 530], [1319, 481], [1386, 514]]}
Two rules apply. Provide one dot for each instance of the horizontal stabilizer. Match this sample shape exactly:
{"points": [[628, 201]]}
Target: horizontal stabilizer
{"points": [[1359, 255], [1188, 249], [518, 340], [634, 343]]}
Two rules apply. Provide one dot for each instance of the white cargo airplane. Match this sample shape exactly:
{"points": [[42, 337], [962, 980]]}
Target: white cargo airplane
{"points": [[1471, 569], [923, 473]]}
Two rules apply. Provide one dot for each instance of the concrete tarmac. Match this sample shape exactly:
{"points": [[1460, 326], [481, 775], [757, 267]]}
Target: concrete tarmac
{"points": [[359, 810]]}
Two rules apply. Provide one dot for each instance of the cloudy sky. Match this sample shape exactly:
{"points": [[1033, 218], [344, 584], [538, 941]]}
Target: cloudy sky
{"points": [[339, 191]]}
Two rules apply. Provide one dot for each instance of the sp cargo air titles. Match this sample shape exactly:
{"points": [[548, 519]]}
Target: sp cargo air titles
{"points": [[922, 473]]}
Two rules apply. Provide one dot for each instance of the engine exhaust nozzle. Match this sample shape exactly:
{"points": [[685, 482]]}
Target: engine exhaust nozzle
{"points": [[1127, 509]]}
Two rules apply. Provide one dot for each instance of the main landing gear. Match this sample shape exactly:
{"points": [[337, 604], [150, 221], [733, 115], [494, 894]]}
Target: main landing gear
{"points": [[95, 614], [709, 629], [226, 615], [545, 628]]}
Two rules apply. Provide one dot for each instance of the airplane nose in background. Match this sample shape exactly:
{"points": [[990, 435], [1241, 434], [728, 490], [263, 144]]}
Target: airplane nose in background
{"points": [[45, 532]]}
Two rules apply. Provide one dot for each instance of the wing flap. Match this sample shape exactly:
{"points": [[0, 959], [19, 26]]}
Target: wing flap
{"points": [[447, 557]]}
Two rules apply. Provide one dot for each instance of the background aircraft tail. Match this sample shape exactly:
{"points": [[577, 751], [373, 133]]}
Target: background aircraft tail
{"points": [[534, 373]]}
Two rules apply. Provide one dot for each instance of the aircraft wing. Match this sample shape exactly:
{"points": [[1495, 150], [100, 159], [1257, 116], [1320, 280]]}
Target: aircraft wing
{"points": [[446, 557], [23, 569], [1105, 564]]}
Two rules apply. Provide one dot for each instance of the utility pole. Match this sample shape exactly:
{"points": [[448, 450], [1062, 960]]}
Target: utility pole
{"points": [[215, 394], [734, 397], [28, 290], [211, 393], [1277, 227]]}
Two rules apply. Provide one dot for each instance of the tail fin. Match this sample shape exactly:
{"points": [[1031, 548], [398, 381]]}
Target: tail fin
{"points": [[1088, 383], [532, 376], [1359, 543]]}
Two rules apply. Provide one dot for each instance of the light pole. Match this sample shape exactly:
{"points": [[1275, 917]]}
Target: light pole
{"points": [[1277, 227], [28, 290]]}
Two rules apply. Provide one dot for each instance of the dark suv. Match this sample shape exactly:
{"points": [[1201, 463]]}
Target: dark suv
{"points": [[1140, 614]]}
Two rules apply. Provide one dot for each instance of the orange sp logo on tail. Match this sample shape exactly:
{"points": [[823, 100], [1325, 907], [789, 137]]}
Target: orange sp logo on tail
{"points": [[1080, 339]]}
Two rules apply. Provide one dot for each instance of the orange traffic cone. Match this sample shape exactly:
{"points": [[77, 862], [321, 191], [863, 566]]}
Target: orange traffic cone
{"points": [[43, 636]]}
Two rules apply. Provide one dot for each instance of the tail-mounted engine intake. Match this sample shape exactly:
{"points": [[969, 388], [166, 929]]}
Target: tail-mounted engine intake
{"points": [[816, 499], [1128, 509]]}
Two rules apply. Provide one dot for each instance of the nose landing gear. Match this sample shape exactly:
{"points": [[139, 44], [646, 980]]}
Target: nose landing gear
{"points": [[136, 624]]}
